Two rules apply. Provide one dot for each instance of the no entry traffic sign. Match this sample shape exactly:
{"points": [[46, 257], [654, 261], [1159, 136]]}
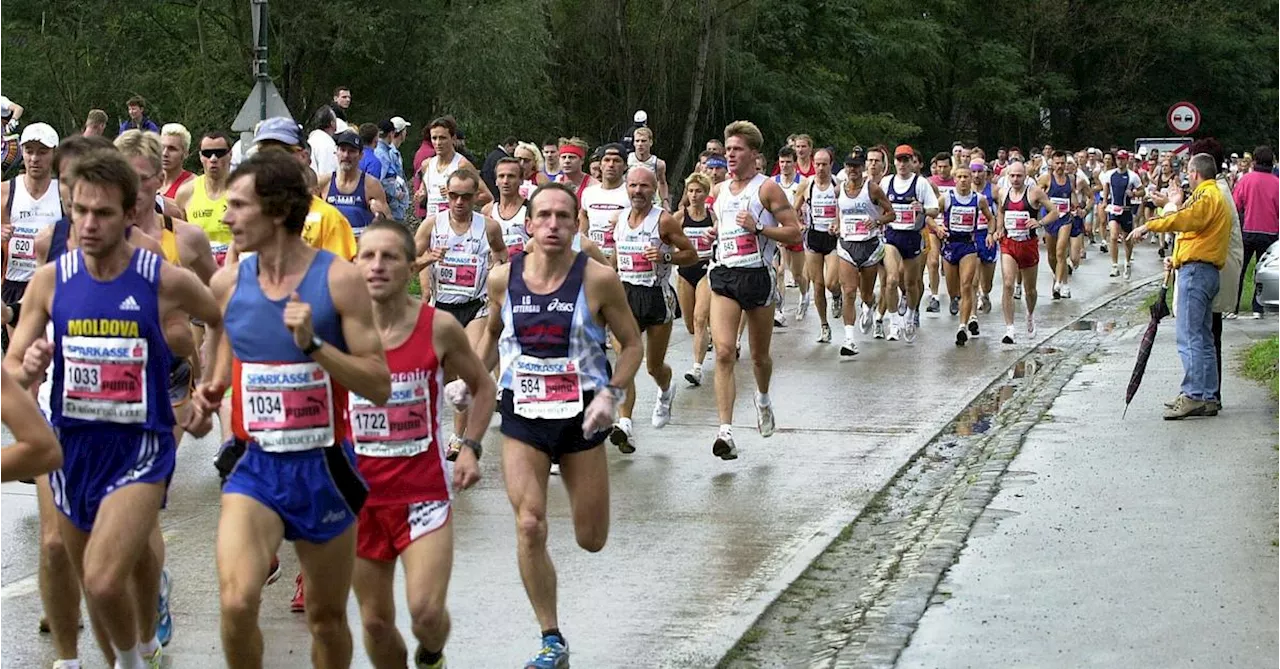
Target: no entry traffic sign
{"points": [[1183, 118]]}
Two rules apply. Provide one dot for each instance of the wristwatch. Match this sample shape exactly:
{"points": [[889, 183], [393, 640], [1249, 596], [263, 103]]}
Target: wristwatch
{"points": [[666, 258], [475, 446], [316, 343]]}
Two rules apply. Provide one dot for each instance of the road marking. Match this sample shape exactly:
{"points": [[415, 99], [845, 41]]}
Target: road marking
{"points": [[30, 585]]}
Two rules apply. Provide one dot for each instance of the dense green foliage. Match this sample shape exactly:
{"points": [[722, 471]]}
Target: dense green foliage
{"points": [[1073, 72]]}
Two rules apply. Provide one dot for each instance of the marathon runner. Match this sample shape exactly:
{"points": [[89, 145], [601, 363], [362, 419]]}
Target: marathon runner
{"points": [[944, 183], [1061, 187], [1119, 187], [175, 140], [1019, 248], [551, 158], [400, 454], [512, 208], [602, 203], [649, 241], [914, 205], [31, 204], [961, 208], [792, 259], [436, 170], [818, 197], [753, 216], [643, 155], [864, 211], [693, 290], [355, 193], [573, 155], [204, 198], [551, 307], [108, 301], [531, 175], [300, 333]]}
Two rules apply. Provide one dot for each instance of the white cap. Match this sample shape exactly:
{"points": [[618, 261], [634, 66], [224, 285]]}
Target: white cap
{"points": [[641, 117], [40, 132], [399, 123], [341, 126], [1143, 151], [1233, 156]]}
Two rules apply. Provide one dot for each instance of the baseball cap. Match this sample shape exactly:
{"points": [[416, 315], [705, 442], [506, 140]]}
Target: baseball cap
{"points": [[856, 160], [1095, 151], [904, 150], [40, 132], [24, 141], [1122, 155], [279, 129], [349, 138], [1143, 151], [613, 147], [385, 127], [399, 123], [641, 117]]}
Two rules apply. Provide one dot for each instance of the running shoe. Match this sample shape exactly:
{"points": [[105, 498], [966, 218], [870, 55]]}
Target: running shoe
{"points": [[1230, 316], [420, 661], [955, 306], [273, 573], [879, 329], [934, 305], [1115, 270], [902, 303], [848, 349], [837, 304], [962, 336], [864, 321], [1128, 271], [909, 328], [916, 318], [299, 602], [694, 376], [1057, 290], [164, 621], [620, 436], [662, 407], [724, 448], [973, 326], [1031, 326], [1008, 335], [824, 334], [1103, 248], [555, 469], [985, 304], [554, 655], [764, 420], [803, 307], [1066, 291], [1017, 291], [154, 660], [791, 281], [894, 329], [779, 317]]}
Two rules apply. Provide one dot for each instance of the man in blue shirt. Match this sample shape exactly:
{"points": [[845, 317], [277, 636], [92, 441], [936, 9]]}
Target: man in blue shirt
{"points": [[393, 133], [369, 161], [138, 117]]}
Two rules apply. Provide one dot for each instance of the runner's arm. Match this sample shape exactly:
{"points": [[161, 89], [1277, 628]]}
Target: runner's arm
{"points": [[40, 247], [673, 234], [881, 200], [183, 196], [664, 192], [775, 200], [593, 251], [36, 304], [487, 347], [1038, 197], [199, 255], [584, 223], [35, 449], [461, 362], [497, 247], [377, 196], [5, 229], [363, 368], [613, 307]]}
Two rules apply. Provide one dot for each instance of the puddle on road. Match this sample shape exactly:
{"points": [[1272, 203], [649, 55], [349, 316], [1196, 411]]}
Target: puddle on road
{"points": [[1089, 325], [979, 416]]}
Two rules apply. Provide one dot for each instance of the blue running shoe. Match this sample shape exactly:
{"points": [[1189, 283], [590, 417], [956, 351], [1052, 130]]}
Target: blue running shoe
{"points": [[554, 655], [164, 621]]}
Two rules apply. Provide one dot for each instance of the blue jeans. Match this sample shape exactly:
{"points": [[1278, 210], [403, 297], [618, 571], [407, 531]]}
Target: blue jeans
{"points": [[1197, 286]]}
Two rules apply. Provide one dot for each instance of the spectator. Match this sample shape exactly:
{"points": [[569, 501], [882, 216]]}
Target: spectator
{"points": [[425, 152], [1204, 227], [10, 112], [138, 119], [488, 170], [95, 124], [641, 119], [394, 131], [324, 152], [1257, 196], [341, 102], [369, 161]]}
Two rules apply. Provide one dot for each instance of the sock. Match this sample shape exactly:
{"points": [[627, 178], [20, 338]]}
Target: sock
{"points": [[762, 399], [726, 428], [848, 332], [555, 632], [697, 367], [129, 659], [428, 656], [149, 648]]}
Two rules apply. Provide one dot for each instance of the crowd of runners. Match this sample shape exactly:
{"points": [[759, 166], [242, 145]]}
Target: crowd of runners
{"points": [[272, 299]]}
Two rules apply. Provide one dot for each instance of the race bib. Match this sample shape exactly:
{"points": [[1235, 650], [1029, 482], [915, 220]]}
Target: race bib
{"points": [[22, 252], [1115, 209], [633, 266], [823, 216], [904, 216], [1062, 203], [855, 227], [458, 273], [603, 237], [547, 388], [220, 252], [105, 379], [401, 429], [961, 218], [1017, 224], [515, 244], [701, 239], [288, 407], [737, 247]]}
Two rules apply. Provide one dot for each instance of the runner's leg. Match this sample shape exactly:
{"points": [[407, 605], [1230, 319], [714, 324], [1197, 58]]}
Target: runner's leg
{"points": [[726, 316], [59, 586], [326, 575], [586, 480], [374, 584], [525, 470], [815, 271], [248, 536], [428, 566]]}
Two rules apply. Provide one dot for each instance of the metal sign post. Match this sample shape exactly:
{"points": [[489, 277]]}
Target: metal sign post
{"points": [[264, 100]]}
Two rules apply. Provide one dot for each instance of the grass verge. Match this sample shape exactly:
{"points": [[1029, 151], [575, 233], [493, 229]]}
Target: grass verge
{"points": [[1246, 296], [1260, 365]]}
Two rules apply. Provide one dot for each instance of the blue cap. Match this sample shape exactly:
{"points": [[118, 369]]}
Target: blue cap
{"points": [[280, 129], [717, 161]]}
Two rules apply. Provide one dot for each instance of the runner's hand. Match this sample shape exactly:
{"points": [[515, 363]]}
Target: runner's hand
{"points": [[651, 254], [599, 414], [427, 259], [746, 221], [297, 317], [458, 394], [198, 423], [36, 359], [6, 231], [466, 471]]}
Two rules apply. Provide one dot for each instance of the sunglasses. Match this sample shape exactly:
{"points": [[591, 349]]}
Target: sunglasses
{"points": [[460, 196], [214, 153]]}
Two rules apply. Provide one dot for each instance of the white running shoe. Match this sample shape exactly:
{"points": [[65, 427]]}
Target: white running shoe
{"points": [[1008, 335], [764, 420], [837, 304], [894, 329], [1017, 291], [985, 307], [909, 328], [1066, 291], [1115, 269], [621, 437], [779, 317], [694, 375], [864, 321], [902, 304], [1031, 326], [848, 349], [824, 334], [879, 329], [662, 407], [724, 448], [1128, 271], [803, 308]]}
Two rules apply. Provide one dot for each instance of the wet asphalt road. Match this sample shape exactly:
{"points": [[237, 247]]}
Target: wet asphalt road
{"points": [[698, 546]]}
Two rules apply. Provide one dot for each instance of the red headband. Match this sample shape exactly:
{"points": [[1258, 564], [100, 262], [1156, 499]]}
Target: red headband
{"points": [[573, 150]]}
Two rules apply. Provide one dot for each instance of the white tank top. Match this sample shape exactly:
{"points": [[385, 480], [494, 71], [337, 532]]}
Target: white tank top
{"points": [[436, 181], [633, 267], [651, 162], [736, 247], [514, 233], [823, 206], [601, 205], [856, 213], [29, 216], [462, 274]]}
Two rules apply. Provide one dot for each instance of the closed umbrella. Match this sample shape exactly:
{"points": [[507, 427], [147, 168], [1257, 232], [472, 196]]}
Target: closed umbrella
{"points": [[1158, 311]]}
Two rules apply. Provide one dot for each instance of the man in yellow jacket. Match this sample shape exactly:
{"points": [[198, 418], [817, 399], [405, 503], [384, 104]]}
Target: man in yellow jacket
{"points": [[1204, 227]]}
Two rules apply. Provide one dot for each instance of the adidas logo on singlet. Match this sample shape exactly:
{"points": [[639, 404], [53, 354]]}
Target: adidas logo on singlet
{"points": [[129, 304]]}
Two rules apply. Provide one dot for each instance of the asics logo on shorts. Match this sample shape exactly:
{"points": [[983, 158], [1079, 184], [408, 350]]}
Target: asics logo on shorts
{"points": [[335, 516]]}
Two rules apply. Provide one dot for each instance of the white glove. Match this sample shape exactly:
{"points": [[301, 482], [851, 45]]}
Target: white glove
{"points": [[599, 414], [458, 394]]}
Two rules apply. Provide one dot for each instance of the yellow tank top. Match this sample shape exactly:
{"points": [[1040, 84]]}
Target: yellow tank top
{"points": [[207, 213], [169, 243]]}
